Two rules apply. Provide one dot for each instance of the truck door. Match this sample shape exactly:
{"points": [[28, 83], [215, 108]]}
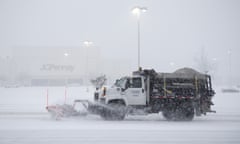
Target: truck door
{"points": [[136, 94]]}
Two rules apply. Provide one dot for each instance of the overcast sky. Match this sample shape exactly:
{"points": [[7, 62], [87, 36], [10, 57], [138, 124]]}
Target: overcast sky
{"points": [[173, 32]]}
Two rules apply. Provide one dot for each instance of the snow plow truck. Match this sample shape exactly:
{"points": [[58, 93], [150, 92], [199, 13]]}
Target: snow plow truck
{"points": [[179, 95]]}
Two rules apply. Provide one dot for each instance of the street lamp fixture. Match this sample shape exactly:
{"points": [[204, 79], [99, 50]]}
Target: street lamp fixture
{"points": [[87, 43], [66, 54], [137, 12]]}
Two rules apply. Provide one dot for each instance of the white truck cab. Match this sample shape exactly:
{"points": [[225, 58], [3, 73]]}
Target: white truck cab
{"points": [[130, 90]]}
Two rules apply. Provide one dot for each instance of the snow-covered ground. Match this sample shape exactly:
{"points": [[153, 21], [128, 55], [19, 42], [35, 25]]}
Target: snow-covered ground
{"points": [[23, 119]]}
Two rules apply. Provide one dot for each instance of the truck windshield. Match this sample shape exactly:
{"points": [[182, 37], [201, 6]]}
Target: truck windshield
{"points": [[120, 82]]}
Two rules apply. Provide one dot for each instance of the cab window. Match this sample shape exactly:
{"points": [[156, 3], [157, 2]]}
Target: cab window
{"points": [[136, 83]]}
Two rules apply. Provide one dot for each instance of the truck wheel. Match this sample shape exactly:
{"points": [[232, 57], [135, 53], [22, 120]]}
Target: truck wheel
{"points": [[185, 112], [189, 113], [116, 111], [168, 115]]}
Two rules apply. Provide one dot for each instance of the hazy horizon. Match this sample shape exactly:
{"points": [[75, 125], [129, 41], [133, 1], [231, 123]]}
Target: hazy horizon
{"points": [[174, 34]]}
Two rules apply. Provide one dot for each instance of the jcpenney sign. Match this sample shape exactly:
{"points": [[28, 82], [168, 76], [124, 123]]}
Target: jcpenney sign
{"points": [[53, 67]]}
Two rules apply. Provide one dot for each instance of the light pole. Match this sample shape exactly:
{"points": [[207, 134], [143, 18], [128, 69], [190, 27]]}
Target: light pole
{"points": [[87, 45], [137, 12], [229, 52], [66, 79], [65, 62]]}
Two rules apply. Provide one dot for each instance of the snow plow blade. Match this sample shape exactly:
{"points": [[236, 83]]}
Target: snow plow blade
{"points": [[55, 111], [59, 111], [96, 108]]}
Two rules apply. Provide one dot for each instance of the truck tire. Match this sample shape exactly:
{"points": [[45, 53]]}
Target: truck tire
{"points": [[184, 112], [116, 111], [168, 115]]}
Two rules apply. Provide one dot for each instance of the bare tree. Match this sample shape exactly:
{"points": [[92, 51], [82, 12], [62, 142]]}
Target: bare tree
{"points": [[204, 63]]}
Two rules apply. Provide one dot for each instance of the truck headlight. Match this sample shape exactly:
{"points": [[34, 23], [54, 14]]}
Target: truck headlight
{"points": [[104, 91]]}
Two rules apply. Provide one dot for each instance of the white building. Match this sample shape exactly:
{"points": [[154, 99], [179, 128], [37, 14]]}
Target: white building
{"points": [[56, 65], [60, 65]]}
